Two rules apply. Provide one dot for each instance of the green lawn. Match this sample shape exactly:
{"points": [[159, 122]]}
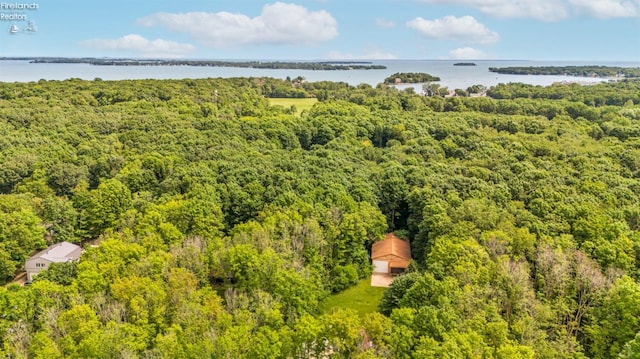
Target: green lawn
{"points": [[300, 103], [363, 298]]}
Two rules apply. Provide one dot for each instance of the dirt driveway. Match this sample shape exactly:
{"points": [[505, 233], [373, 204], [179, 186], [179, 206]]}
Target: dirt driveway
{"points": [[381, 280], [20, 279]]}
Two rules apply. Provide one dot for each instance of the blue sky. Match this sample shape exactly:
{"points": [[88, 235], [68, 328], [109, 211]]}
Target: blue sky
{"points": [[572, 30]]}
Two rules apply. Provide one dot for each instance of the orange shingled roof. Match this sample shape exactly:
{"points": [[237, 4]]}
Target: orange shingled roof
{"points": [[396, 250]]}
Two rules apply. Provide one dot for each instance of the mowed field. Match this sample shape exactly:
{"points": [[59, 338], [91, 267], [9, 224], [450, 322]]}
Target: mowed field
{"points": [[301, 104], [363, 298]]}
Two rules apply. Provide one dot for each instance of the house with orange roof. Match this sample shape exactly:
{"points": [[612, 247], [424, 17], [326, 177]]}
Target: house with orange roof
{"points": [[391, 255]]}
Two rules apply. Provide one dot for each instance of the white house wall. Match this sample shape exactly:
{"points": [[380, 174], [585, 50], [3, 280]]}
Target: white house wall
{"points": [[32, 268], [380, 266]]}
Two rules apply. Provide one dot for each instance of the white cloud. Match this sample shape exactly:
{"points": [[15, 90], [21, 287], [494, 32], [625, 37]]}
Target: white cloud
{"points": [[550, 10], [605, 9], [467, 53], [465, 29], [279, 23], [546, 10], [143, 47], [385, 23], [369, 54]]}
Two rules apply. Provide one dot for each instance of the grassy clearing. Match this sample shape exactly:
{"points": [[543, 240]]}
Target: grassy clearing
{"points": [[301, 104], [363, 298]]}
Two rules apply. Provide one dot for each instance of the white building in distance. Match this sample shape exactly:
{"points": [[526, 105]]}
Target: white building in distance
{"points": [[57, 253]]}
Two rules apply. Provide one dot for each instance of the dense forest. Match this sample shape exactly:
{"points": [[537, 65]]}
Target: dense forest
{"points": [[582, 71], [214, 224]]}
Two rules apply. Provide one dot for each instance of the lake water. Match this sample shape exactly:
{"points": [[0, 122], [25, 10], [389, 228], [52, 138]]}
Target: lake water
{"points": [[451, 76]]}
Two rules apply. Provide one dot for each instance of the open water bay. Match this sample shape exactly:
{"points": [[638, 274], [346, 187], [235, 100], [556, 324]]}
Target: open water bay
{"points": [[451, 76]]}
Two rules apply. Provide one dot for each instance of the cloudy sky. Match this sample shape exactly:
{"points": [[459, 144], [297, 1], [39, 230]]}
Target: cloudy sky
{"points": [[587, 30]]}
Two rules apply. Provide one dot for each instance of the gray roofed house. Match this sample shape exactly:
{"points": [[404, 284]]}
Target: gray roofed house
{"points": [[57, 253]]}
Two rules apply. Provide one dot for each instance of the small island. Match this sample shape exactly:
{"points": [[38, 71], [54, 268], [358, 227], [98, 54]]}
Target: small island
{"points": [[280, 65], [464, 64], [578, 71], [410, 78]]}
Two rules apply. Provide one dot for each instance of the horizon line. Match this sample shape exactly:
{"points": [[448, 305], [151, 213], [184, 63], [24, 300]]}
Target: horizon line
{"points": [[18, 57]]}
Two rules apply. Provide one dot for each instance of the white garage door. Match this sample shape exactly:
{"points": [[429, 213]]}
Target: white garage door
{"points": [[380, 267]]}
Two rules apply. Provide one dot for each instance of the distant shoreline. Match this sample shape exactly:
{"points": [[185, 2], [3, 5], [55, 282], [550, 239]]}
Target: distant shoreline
{"points": [[294, 65], [612, 72]]}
